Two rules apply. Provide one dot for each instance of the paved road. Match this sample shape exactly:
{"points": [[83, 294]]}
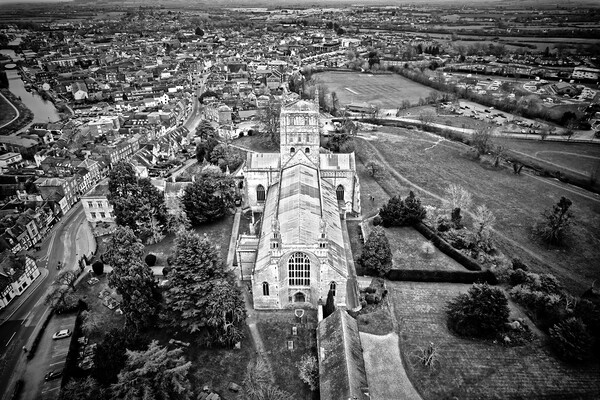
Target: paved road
{"points": [[16, 331]]}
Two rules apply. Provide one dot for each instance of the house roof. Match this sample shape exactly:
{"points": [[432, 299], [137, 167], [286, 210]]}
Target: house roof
{"points": [[342, 372]]}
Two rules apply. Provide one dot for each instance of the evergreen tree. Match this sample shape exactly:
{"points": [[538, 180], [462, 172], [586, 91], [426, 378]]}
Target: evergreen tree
{"points": [[483, 311], [199, 296], [209, 198], [376, 255], [154, 374], [132, 278], [329, 305]]}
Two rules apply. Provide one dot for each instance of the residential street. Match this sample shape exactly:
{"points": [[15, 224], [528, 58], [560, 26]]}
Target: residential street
{"points": [[69, 240]]}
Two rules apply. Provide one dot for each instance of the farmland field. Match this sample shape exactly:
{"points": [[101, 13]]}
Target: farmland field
{"points": [[472, 369], [385, 91], [429, 164]]}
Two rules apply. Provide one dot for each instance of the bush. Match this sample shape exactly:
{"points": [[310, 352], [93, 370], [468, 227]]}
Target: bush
{"points": [[377, 220], [481, 312], [571, 340], [308, 369], [517, 277], [150, 260], [98, 267], [518, 264]]}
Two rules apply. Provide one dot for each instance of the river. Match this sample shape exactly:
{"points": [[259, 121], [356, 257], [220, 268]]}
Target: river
{"points": [[43, 110]]}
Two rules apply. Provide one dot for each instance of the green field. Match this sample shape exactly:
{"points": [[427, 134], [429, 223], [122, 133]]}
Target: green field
{"points": [[474, 369], [422, 162], [385, 90]]}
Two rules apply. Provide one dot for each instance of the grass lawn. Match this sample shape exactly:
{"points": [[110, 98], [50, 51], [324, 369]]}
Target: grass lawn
{"points": [[385, 91], [472, 369], [89, 294], [218, 233], [7, 112], [216, 368], [407, 253], [516, 200], [257, 143], [275, 328]]}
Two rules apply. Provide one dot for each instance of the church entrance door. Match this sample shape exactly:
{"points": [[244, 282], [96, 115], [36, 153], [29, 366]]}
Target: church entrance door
{"points": [[299, 298]]}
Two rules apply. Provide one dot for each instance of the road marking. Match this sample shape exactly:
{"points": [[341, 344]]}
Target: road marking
{"points": [[56, 363], [25, 319], [60, 354], [11, 338], [51, 390]]}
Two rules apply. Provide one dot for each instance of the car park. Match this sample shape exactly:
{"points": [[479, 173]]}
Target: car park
{"points": [[61, 334]]}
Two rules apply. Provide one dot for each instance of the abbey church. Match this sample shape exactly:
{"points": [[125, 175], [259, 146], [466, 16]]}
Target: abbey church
{"points": [[301, 250]]}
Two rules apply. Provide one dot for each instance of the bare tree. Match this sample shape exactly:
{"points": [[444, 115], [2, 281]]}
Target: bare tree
{"points": [[457, 197], [426, 117]]}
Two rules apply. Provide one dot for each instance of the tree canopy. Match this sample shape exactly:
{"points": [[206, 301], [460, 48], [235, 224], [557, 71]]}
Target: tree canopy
{"points": [[110, 355], [137, 203], [376, 255], [398, 212], [269, 121], [154, 374], [199, 296], [208, 198], [481, 312], [132, 278]]}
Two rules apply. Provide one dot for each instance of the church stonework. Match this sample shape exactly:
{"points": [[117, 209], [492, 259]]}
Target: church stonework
{"points": [[299, 253]]}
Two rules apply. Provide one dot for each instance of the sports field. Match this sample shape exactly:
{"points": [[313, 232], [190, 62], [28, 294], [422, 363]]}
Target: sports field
{"points": [[384, 91]]}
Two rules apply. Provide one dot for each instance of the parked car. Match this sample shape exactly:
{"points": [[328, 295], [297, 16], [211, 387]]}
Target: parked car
{"points": [[61, 334], [53, 374]]}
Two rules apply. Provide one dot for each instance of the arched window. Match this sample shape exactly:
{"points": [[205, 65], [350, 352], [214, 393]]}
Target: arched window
{"points": [[299, 269], [307, 150], [339, 192], [265, 288], [260, 193], [292, 150], [332, 287]]}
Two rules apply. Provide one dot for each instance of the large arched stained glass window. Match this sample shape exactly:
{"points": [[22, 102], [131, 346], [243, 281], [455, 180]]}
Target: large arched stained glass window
{"points": [[260, 193], [299, 269]]}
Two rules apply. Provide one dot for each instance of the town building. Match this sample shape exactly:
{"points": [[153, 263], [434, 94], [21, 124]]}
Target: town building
{"points": [[96, 206], [302, 251], [17, 272]]}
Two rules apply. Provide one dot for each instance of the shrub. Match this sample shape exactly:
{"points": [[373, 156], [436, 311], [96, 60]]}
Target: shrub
{"points": [[481, 312], [98, 267], [517, 277], [571, 340], [150, 260], [377, 220], [427, 249], [308, 368], [518, 264]]}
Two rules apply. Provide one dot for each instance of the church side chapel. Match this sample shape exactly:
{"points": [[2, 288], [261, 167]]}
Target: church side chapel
{"points": [[302, 250]]}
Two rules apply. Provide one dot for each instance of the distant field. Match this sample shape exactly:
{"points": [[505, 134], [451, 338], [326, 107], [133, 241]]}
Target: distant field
{"points": [[385, 91], [581, 157]]}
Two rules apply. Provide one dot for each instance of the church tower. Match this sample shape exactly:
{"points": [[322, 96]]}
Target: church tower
{"points": [[299, 131]]}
